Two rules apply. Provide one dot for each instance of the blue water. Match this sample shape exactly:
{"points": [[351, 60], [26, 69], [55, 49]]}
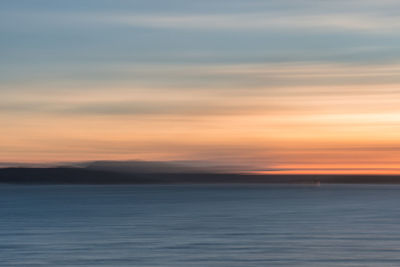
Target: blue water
{"points": [[200, 225]]}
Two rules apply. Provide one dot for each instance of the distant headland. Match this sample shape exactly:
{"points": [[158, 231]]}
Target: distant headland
{"points": [[136, 172]]}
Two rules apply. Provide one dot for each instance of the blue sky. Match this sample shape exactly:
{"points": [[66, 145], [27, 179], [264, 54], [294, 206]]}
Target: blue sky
{"points": [[52, 39], [198, 31]]}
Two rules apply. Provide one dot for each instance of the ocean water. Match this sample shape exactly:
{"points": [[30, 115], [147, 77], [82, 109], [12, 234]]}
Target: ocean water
{"points": [[200, 225]]}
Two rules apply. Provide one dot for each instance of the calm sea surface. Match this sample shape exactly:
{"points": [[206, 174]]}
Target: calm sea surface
{"points": [[200, 225]]}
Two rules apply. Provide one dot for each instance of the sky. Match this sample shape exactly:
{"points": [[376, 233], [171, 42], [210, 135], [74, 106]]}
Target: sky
{"points": [[265, 86]]}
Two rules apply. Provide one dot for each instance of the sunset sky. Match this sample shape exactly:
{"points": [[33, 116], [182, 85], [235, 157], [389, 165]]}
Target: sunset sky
{"points": [[273, 86]]}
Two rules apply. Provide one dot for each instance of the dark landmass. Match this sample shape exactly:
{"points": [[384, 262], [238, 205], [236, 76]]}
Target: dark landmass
{"points": [[143, 167], [69, 175], [65, 175], [139, 166]]}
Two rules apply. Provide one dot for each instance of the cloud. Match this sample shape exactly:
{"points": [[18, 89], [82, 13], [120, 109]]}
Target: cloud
{"points": [[185, 108], [134, 86], [252, 76], [314, 20], [262, 21]]}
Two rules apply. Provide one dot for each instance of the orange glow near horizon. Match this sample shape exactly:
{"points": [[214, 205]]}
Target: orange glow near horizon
{"points": [[318, 129], [331, 172]]}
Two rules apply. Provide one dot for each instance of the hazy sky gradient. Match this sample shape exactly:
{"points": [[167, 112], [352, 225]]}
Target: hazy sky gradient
{"points": [[292, 86]]}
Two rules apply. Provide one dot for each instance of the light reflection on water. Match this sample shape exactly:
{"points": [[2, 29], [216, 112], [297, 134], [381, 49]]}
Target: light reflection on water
{"points": [[200, 225]]}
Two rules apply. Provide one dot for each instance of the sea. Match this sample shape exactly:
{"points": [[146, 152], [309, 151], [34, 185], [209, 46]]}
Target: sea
{"points": [[200, 225]]}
